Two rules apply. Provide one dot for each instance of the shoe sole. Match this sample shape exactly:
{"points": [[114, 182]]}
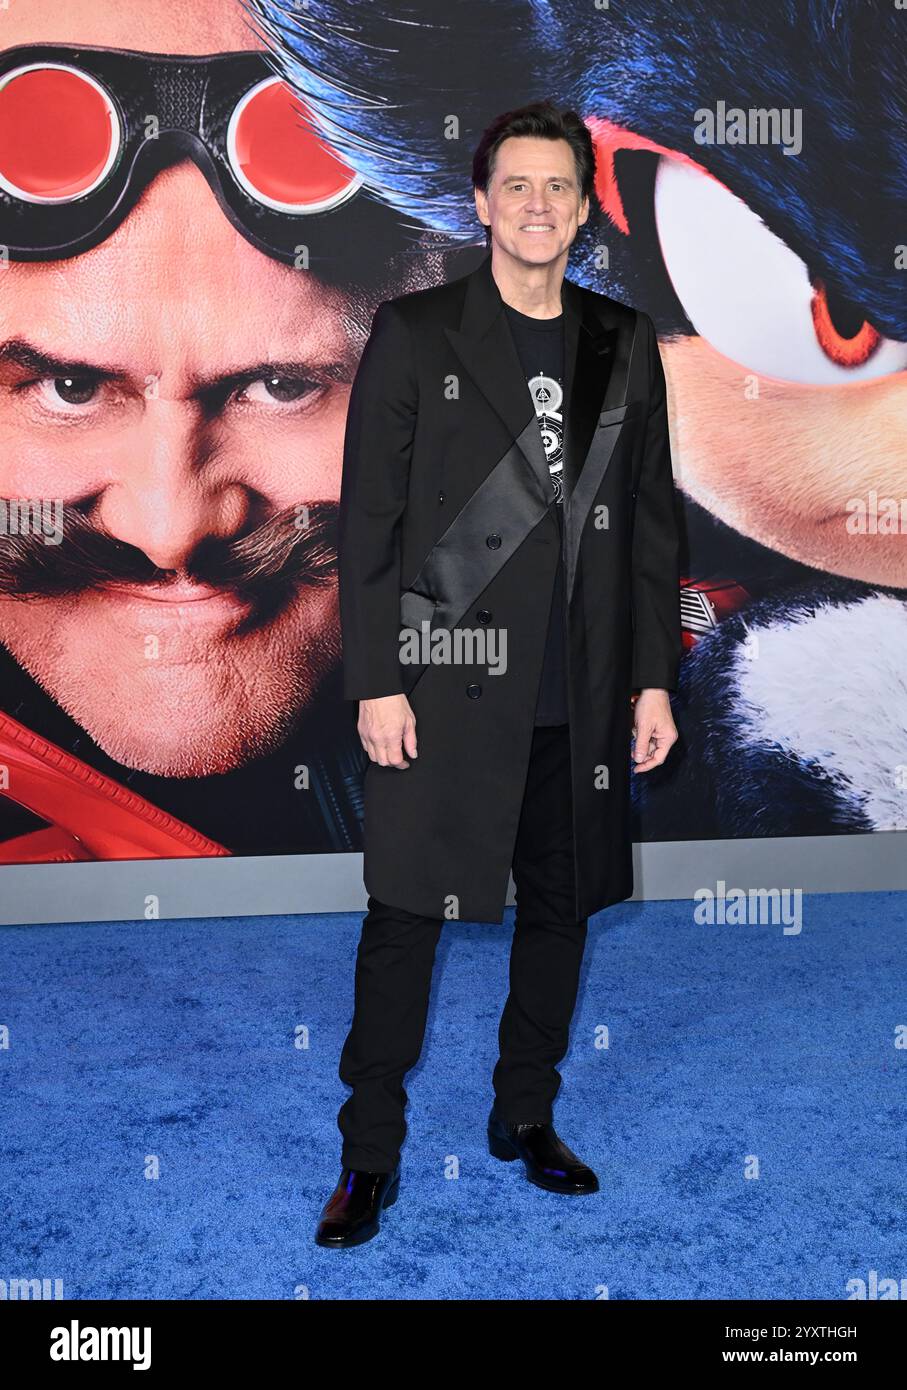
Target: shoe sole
{"points": [[505, 1151], [368, 1232]]}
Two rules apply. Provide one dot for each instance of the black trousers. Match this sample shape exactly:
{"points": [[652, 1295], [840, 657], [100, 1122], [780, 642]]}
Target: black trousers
{"points": [[394, 969]]}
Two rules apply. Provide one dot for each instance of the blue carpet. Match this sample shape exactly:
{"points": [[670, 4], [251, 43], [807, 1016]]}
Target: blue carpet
{"points": [[732, 1050]]}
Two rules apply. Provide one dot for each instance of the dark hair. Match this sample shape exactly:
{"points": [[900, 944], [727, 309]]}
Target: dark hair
{"points": [[541, 119]]}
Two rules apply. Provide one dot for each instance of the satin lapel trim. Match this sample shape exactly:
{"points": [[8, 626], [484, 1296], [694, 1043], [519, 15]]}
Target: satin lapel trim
{"points": [[595, 438], [460, 565], [590, 348]]}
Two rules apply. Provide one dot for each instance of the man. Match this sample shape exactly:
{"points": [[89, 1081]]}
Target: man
{"points": [[541, 523], [176, 372]]}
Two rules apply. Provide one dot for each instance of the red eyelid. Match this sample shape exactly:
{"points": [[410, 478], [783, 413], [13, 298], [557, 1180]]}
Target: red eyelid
{"points": [[846, 352], [608, 138]]}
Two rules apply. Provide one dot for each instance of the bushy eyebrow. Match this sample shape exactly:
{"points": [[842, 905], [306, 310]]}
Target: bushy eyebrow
{"points": [[33, 359], [522, 178]]}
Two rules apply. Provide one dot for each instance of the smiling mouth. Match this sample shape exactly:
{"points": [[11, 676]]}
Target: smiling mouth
{"points": [[537, 227]]}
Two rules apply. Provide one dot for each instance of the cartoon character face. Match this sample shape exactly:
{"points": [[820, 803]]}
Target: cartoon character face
{"points": [[812, 405], [787, 403]]}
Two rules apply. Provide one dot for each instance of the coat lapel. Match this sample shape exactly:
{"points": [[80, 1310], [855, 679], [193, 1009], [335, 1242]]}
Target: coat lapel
{"points": [[591, 342], [486, 348], [596, 410], [595, 371]]}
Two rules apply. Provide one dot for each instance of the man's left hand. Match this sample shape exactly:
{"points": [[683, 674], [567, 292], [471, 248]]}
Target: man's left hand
{"points": [[654, 729]]}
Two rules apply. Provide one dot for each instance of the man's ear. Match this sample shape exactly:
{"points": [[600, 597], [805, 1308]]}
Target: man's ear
{"points": [[583, 211], [482, 207]]}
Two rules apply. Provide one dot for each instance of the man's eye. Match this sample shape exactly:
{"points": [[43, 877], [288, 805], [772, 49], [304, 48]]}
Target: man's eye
{"points": [[56, 391], [64, 395], [282, 389]]}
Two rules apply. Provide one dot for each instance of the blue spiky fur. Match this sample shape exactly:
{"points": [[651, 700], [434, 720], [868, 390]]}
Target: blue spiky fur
{"points": [[384, 77]]}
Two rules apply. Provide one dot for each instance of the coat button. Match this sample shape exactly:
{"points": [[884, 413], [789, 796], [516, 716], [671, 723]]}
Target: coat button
{"points": [[483, 615], [473, 691], [493, 542], [440, 496]]}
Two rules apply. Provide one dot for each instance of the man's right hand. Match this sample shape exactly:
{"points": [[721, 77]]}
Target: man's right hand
{"points": [[387, 729]]}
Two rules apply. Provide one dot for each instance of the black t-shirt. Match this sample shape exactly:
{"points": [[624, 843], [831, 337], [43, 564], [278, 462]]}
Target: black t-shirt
{"points": [[540, 344]]}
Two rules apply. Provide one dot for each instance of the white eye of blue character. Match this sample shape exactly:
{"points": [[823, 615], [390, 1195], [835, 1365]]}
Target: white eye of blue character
{"points": [[749, 295]]}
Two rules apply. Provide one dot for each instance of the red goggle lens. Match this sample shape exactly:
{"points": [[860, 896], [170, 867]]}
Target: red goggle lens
{"points": [[59, 134], [278, 156]]}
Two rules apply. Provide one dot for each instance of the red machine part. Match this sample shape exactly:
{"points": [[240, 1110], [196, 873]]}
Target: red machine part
{"points": [[90, 816]]}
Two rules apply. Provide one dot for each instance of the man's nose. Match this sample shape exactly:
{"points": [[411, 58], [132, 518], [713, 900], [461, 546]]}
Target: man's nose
{"points": [[166, 497], [539, 201]]}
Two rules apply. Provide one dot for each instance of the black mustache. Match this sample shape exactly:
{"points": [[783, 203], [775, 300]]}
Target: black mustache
{"points": [[296, 546]]}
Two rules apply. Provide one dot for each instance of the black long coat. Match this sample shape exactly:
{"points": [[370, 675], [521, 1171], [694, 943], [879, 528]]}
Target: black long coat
{"points": [[446, 515]]}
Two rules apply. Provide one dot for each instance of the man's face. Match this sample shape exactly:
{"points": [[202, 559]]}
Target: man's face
{"points": [[533, 203], [195, 388]]}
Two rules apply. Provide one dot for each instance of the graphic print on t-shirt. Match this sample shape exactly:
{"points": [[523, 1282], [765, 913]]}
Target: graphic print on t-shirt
{"points": [[548, 395], [540, 349]]}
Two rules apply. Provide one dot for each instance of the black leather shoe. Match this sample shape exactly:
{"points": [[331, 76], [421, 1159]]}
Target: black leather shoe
{"points": [[546, 1159], [352, 1213]]}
